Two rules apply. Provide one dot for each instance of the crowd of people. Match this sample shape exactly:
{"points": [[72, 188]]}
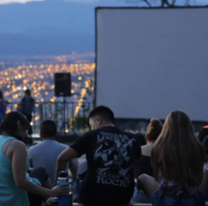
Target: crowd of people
{"points": [[171, 169]]}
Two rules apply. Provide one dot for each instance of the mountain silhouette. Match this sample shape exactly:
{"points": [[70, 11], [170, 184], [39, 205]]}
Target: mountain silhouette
{"points": [[49, 27]]}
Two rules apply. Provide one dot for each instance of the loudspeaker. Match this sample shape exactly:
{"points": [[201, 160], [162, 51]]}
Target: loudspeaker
{"points": [[62, 84]]}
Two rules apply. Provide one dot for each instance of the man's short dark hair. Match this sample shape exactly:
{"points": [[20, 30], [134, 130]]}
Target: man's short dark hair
{"points": [[48, 128], [105, 113]]}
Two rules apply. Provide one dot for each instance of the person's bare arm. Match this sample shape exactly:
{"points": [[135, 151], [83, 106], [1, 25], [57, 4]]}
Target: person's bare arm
{"points": [[73, 167], [67, 155], [148, 184], [19, 155]]}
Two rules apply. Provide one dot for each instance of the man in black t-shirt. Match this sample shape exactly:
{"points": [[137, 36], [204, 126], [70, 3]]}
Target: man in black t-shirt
{"points": [[111, 155]]}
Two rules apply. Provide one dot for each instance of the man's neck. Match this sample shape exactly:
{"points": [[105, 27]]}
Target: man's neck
{"points": [[48, 138], [108, 125]]}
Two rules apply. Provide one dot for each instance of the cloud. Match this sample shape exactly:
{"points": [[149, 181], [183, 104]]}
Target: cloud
{"points": [[17, 1]]}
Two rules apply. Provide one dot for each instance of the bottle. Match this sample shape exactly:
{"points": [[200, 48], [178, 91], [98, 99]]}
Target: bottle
{"points": [[63, 200]]}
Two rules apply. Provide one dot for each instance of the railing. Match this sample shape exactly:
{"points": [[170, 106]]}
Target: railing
{"points": [[69, 116]]}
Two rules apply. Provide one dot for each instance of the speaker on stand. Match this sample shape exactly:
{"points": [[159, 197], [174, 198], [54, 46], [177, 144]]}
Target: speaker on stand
{"points": [[62, 84], [63, 89]]}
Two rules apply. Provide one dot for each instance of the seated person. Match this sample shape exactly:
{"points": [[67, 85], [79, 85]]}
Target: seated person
{"points": [[153, 130], [46, 153], [178, 172], [111, 156], [15, 182]]}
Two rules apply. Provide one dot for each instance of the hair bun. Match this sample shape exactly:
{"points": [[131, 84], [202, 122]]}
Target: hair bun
{"points": [[155, 122]]}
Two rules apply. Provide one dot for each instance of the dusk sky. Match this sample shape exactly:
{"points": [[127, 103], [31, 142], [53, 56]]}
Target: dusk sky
{"points": [[21, 15], [37, 22]]}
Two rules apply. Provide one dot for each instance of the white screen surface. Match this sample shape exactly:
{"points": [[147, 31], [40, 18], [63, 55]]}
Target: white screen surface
{"points": [[152, 61]]}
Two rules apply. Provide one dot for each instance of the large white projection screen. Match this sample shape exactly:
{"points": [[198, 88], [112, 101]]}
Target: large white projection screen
{"points": [[152, 61]]}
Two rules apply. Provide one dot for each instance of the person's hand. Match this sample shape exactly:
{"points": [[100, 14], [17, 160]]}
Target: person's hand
{"points": [[59, 190]]}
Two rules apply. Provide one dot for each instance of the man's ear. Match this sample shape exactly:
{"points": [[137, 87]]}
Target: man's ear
{"points": [[99, 120], [19, 125]]}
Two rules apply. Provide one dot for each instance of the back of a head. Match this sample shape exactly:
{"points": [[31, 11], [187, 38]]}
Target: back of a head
{"points": [[27, 92], [9, 123], [153, 129], [48, 129], [174, 150], [105, 113]]}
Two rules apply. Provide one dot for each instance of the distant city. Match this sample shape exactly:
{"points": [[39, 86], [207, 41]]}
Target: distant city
{"points": [[37, 73]]}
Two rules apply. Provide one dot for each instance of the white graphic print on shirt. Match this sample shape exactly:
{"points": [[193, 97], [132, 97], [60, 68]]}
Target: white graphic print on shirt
{"points": [[113, 159]]}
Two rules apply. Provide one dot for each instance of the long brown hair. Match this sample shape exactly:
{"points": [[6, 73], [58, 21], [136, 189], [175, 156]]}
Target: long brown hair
{"points": [[177, 152]]}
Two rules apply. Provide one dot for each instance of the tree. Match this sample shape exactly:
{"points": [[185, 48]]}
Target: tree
{"points": [[162, 3]]}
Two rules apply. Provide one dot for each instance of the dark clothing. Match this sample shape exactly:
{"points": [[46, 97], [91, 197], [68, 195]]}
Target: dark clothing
{"points": [[145, 166], [26, 107], [81, 174], [110, 155], [41, 174], [160, 199], [2, 110], [29, 118], [141, 138]]}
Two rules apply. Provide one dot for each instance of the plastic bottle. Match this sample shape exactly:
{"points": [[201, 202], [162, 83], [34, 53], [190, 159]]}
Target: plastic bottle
{"points": [[63, 200]]}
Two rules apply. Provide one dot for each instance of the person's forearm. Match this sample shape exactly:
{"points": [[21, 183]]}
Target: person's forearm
{"points": [[35, 189]]}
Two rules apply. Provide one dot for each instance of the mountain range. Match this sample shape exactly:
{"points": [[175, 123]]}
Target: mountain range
{"points": [[48, 27], [51, 27]]}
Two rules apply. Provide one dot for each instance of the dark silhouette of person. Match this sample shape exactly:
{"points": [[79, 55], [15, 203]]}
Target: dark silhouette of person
{"points": [[26, 107]]}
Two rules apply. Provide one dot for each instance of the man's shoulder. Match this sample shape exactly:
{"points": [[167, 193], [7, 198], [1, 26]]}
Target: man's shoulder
{"points": [[108, 130], [60, 145], [105, 131], [42, 145], [91, 133], [35, 147]]}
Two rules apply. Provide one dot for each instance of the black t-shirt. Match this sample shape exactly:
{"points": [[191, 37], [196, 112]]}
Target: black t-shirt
{"points": [[110, 155], [145, 166]]}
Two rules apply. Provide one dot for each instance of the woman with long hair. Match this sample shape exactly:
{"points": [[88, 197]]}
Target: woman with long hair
{"points": [[15, 183], [177, 159]]}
